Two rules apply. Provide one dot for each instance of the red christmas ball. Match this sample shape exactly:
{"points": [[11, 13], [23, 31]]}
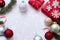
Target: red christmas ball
{"points": [[2, 3], [48, 35], [8, 33]]}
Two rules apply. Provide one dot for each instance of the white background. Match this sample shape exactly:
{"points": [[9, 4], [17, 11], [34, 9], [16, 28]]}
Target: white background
{"points": [[25, 25]]}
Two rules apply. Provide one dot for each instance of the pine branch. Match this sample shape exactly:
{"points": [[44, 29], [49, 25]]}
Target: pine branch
{"points": [[56, 36], [58, 22], [8, 7]]}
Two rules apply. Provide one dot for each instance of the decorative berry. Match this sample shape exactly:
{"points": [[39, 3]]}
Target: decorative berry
{"points": [[8, 33]]}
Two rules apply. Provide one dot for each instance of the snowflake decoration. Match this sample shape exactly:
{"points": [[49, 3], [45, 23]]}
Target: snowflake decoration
{"points": [[49, 2], [49, 8], [55, 3], [56, 14]]}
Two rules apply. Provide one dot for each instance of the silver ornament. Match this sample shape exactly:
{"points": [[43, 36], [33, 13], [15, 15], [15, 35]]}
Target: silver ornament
{"points": [[2, 29], [23, 7], [48, 21], [37, 37], [55, 28]]}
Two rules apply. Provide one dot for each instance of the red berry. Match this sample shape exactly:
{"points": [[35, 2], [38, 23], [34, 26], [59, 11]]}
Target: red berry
{"points": [[8, 33], [2, 3], [48, 35]]}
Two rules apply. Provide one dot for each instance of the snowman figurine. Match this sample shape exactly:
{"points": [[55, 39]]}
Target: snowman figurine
{"points": [[23, 7]]}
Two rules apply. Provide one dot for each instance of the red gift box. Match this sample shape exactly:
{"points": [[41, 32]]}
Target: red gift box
{"points": [[36, 3], [52, 9]]}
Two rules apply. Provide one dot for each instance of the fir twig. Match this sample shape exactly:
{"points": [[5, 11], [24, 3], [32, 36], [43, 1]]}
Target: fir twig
{"points": [[57, 37], [58, 21], [8, 7]]}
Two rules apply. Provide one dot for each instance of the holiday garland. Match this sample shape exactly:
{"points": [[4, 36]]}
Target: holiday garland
{"points": [[8, 7]]}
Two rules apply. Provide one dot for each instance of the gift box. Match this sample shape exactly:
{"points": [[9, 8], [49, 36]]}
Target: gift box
{"points": [[52, 9], [36, 3]]}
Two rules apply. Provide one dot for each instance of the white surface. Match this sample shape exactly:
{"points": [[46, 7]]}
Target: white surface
{"points": [[25, 25]]}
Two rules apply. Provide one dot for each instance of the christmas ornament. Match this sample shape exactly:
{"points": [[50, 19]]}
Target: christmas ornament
{"points": [[37, 37], [36, 3], [2, 3], [49, 35], [48, 21], [8, 33], [8, 7], [2, 29], [52, 9], [23, 7], [55, 28]]}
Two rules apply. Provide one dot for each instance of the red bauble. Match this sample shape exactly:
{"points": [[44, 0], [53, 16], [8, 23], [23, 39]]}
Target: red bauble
{"points": [[2, 3], [36, 3], [48, 35], [52, 9], [8, 33]]}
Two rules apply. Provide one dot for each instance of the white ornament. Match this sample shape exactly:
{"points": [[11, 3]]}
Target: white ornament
{"points": [[49, 8], [56, 14], [48, 21], [37, 37], [2, 29], [23, 7], [55, 3], [55, 28]]}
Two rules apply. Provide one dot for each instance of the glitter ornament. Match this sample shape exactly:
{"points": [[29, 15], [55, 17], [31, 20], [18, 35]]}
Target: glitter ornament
{"points": [[48, 35], [8, 33], [48, 21], [2, 3], [23, 7], [37, 37], [55, 28]]}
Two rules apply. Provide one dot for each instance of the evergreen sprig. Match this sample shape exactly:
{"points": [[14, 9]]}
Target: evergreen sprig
{"points": [[8, 7], [57, 37]]}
